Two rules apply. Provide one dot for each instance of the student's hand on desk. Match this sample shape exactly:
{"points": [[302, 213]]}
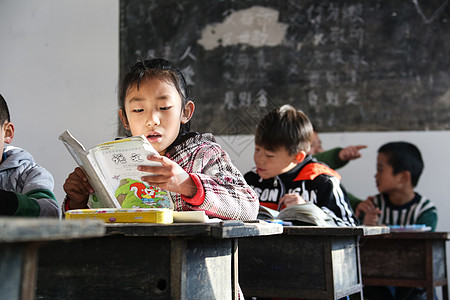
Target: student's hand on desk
{"points": [[170, 176], [351, 152], [371, 218], [77, 189], [370, 212], [291, 199], [364, 207]]}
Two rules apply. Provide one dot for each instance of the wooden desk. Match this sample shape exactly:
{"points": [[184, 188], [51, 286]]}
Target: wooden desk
{"points": [[303, 262], [148, 261], [407, 259], [20, 239]]}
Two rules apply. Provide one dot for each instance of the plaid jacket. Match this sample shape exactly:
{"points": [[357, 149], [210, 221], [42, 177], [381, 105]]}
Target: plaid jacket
{"points": [[226, 194]]}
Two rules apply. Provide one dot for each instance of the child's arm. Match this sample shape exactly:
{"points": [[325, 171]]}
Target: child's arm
{"points": [[331, 196], [338, 157], [351, 152], [226, 194], [169, 176], [31, 195], [291, 199], [372, 217], [365, 207], [220, 189], [429, 218], [331, 158]]}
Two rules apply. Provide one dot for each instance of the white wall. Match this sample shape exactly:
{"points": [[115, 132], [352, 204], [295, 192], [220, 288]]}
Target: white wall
{"points": [[59, 70], [59, 66]]}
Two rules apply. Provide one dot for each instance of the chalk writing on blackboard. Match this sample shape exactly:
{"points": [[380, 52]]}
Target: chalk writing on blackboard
{"points": [[351, 66]]}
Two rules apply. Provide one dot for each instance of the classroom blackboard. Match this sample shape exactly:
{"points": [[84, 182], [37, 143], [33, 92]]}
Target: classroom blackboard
{"points": [[349, 65]]}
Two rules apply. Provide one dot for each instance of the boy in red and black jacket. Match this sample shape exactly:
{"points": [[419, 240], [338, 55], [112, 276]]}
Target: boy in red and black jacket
{"points": [[285, 175]]}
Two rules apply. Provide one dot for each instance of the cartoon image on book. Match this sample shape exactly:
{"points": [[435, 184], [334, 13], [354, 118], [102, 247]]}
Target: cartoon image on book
{"points": [[133, 193]]}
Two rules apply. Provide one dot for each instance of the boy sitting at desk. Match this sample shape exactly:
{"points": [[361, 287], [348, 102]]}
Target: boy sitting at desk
{"points": [[399, 166], [285, 175], [25, 187]]}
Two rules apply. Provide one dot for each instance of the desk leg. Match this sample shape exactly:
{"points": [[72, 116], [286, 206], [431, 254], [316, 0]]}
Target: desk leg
{"points": [[202, 269], [235, 270], [18, 271], [429, 270], [445, 287], [445, 292], [358, 255], [177, 273], [29, 271]]}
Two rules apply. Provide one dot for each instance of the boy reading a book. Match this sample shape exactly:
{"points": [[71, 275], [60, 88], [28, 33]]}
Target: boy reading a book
{"points": [[196, 172], [26, 189], [399, 166], [285, 175]]}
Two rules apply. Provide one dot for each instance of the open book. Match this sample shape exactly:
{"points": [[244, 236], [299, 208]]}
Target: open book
{"points": [[111, 169], [299, 214]]}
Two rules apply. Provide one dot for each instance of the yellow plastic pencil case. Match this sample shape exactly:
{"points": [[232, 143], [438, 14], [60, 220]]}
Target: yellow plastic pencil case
{"points": [[121, 215]]}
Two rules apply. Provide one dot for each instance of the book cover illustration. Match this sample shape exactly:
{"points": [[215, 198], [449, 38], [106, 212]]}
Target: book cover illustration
{"points": [[119, 160]]}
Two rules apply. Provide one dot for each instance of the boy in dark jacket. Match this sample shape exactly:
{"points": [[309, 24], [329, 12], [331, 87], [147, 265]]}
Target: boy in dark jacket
{"points": [[285, 175]]}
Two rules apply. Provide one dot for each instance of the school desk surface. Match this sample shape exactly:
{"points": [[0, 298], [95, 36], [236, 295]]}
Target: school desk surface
{"points": [[20, 241], [305, 262], [148, 261]]}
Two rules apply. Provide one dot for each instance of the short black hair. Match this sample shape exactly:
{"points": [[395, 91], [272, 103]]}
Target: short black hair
{"points": [[4, 111], [404, 156], [285, 127]]}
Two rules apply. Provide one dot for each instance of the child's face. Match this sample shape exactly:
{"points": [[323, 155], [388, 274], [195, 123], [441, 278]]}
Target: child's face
{"points": [[154, 111], [385, 179], [316, 144], [272, 163]]}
